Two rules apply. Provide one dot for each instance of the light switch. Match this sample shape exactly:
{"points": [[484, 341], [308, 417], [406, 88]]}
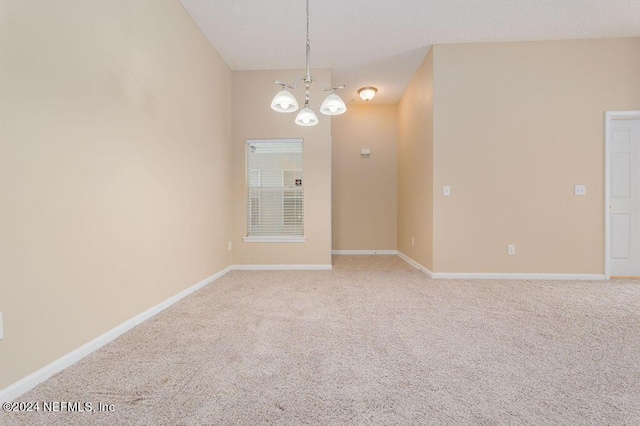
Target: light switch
{"points": [[446, 191], [581, 190]]}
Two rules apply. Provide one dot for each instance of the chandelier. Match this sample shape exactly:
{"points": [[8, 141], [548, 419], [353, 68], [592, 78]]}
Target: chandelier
{"points": [[284, 101]]}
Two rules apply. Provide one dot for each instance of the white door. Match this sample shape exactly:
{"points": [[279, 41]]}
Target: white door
{"points": [[624, 197]]}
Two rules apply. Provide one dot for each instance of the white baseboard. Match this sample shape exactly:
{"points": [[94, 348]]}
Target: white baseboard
{"points": [[500, 276], [364, 252], [415, 264], [13, 391], [282, 267], [518, 276]]}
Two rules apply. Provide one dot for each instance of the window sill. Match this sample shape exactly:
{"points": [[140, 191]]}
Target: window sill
{"points": [[274, 239]]}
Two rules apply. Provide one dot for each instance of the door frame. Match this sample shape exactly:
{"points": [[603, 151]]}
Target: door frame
{"points": [[608, 118]]}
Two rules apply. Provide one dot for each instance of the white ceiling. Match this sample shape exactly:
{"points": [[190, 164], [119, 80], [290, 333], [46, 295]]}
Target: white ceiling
{"points": [[382, 42]]}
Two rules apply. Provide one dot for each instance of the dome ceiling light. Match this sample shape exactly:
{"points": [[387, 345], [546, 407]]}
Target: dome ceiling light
{"points": [[367, 93]]}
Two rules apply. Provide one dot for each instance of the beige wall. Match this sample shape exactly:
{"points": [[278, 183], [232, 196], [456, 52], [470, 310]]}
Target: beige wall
{"points": [[517, 125], [115, 163], [415, 166], [365, 191], [254, 119]]}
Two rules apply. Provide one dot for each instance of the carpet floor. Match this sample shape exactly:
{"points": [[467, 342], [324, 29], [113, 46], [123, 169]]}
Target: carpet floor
{"points": [[353, 346]]}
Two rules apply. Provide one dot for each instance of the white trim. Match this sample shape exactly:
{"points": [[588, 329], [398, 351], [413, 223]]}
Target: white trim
{"points": [[608, 117], [274, 239], [282, 267], [18, 388], [517, 276], [415, 264], [499, 276], [274, 140], [364, 252]]}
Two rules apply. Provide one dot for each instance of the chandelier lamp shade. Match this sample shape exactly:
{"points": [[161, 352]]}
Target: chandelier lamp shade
{"points": [[285, 102], [306, 117]]}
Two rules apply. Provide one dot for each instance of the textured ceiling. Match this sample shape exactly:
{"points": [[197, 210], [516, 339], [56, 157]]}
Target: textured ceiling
{"points": [[382, 42]]}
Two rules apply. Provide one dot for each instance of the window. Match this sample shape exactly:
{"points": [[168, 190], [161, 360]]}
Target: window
{"points": [[275, 191]]}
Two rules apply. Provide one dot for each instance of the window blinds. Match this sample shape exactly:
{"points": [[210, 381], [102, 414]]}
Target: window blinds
{"points": [[275, 188]]}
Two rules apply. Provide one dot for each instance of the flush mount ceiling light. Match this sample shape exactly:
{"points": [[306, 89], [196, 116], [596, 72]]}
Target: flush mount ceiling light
{"points": [[367, 93], [285, 102]]}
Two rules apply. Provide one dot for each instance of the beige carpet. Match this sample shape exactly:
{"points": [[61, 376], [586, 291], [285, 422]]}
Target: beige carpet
{"points": [[359, 347]]}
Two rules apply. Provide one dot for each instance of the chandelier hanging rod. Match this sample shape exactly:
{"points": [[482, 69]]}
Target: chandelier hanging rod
{"points": [[308, 76]]}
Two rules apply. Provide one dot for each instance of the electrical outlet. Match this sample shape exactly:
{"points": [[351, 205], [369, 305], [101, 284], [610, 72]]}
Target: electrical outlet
{"points": [[580, 190], [229, 245], [413, 241], [1, 327], [511, 249]]}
